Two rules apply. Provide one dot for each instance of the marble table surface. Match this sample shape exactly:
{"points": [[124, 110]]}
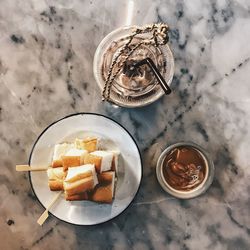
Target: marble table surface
{"points": [[46, 56]]}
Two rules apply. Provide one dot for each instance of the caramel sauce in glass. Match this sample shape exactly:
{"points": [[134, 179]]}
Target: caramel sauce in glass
{"points": [[184, 168]]}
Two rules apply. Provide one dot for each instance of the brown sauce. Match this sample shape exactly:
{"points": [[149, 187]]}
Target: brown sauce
{"points": [[184, 168]]}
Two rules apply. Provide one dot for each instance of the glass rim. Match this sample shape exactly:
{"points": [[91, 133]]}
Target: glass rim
{"points": [[131, 102], [201, 188]]}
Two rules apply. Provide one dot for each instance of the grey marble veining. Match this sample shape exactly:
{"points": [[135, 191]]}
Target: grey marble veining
{"points": [[46, 56]]}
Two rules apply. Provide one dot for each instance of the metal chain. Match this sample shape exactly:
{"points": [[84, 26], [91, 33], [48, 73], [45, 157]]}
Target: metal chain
{"points": [[159, 31], [104, 97], [119, 69]]}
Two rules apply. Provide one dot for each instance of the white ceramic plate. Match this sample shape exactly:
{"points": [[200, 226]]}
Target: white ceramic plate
{"points": [[116, 137]]}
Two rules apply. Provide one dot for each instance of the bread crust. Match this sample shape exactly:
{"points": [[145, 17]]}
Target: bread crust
{"points": [[114, 165], [56, 177], [105, 178], [70, 161], [79, 186], [89, 144], [57, 163], [56, 173], [102, 194], [80, 176], [93, 159], [56, 185], [77, 197]]}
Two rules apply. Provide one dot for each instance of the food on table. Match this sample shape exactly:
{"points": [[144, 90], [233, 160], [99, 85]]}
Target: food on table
{"points": [[84, 171], [56, 177], [104, 191], [59, 151], [77, 197], [80, 179], [73, 157], [114, 166], [102, 160], [89, 143]]}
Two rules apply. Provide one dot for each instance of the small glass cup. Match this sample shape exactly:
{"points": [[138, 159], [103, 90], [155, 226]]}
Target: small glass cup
{"points": [[201, 188], [132, 91]]}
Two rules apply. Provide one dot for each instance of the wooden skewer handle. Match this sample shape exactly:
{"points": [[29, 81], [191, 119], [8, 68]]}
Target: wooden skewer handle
{"points": [[21, 168], [45, 214], [43, 217]]}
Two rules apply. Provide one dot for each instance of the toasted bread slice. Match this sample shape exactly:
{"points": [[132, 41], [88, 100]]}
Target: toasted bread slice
{"points": [[78, 176], [79, 186], [57, 163], [70, 161], [59, 151], [93, 159], [77, 197], [80, 179], [105, 178], [74, 157], [89, 144], [101, 159], [56, 177], [115, 160], [56, 173], [56, 185], [81, 172], [104, 192]]}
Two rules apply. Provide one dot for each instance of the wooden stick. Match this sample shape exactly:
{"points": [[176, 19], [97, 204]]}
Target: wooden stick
{"points": [[45, 214], [21, 168]]}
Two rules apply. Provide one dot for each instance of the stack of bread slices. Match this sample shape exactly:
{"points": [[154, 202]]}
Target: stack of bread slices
{"points": [[83, 171]]}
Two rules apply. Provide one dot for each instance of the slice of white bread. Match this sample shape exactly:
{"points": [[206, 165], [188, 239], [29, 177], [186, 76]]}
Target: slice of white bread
{"points": [[102, 160], [56, 185], [104, 191], [81, 172], [80, 179], [93, 159], [56, 177], [115, 161], [74, 157], [76, 197], [79, 186], [105, 177], [89, 143], [59, 151], [79, 176]]}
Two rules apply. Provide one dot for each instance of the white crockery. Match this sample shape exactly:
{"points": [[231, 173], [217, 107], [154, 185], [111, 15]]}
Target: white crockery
{"points": [[115, 137]]}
